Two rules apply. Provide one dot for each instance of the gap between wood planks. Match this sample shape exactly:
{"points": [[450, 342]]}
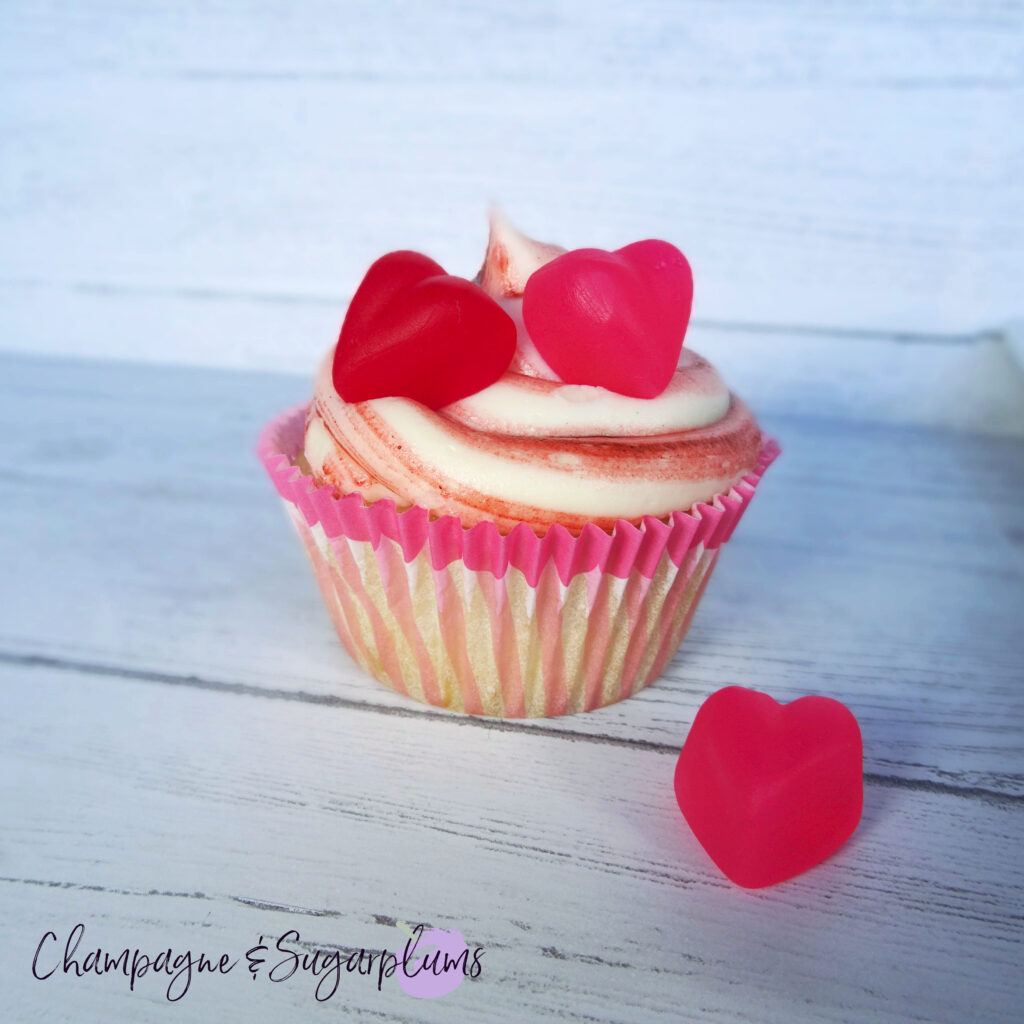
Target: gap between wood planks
{"points": [[199, 293], [384, 920], [24, 660]]}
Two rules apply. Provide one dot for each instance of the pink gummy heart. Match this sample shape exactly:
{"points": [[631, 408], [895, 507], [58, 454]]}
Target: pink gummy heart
{"points": [[615, 319], [770, 789], [414, 331]]}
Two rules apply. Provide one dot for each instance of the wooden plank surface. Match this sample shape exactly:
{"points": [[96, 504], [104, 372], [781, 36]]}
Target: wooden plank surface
{"points": [[833, 166], [164, 815], [884, 566], [187, 757]]}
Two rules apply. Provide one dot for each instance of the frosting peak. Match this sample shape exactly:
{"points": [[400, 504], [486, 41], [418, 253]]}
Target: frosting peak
{"points": [[511, 258]]}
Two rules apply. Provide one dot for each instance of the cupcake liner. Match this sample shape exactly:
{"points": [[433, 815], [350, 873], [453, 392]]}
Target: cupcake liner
{"points": [[511, 625]]}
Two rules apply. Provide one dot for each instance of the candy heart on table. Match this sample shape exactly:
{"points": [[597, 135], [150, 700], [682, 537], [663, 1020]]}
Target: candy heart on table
{"points": [[414, 331], [614, 319], [770, 789], [511, 258]]}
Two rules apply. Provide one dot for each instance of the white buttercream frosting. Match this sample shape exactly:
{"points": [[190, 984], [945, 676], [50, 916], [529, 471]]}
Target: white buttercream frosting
{"points": [[529, 407], [539, 451]]}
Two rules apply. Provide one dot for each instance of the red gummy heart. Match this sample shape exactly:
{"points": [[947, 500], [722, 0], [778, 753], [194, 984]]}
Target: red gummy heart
{"points": [[770, 789], [416, 332], [615, 319]]}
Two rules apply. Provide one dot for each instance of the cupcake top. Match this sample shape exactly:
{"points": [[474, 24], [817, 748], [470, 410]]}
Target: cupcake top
{"points": [[553, 389]]}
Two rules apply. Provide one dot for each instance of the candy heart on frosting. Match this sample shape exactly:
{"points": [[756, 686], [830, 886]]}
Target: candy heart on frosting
{"points": [[614, 319], [416, 332], [770, 789], [511, 258]]}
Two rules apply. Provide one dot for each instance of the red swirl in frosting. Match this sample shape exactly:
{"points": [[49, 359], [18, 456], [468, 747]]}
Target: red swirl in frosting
{"points": [[535, 451]]}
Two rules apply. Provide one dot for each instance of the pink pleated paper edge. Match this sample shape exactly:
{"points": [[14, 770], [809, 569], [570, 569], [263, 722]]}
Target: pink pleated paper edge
{"points": [[626, 549]]}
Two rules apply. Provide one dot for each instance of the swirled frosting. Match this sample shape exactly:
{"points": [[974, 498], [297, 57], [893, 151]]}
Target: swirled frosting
{"points": [[532, 449]]}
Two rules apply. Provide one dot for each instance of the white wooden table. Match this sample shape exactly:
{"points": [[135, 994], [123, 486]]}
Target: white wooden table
{"points": [[189, 759]]}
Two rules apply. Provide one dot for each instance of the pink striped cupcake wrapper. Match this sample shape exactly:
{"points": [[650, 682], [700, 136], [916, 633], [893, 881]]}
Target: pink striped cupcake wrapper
{"points": [[511, 625]]}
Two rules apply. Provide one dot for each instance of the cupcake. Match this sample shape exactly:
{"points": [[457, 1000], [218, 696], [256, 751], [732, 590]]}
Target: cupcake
{"points": [[513, 490]]}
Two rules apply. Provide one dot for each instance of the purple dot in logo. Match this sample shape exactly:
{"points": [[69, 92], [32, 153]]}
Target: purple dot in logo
{"points": [[433, 962]]}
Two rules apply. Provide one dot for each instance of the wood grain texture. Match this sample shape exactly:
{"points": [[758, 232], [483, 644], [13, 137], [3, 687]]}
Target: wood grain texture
{"points": [[158, 816], [839, 166], [188, 758], [883, 566]]}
